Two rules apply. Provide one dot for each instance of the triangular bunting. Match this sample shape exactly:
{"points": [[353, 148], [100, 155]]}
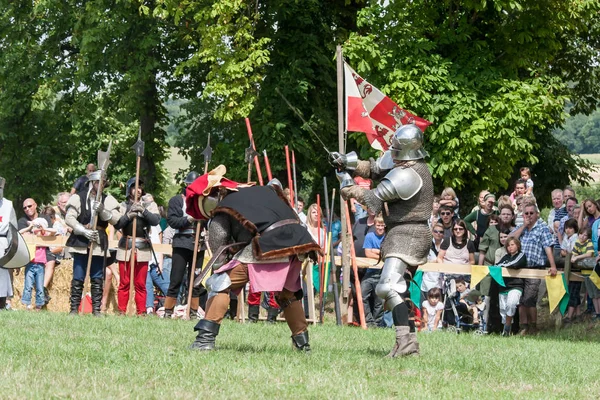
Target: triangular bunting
{"points": [[415, 288], [556, 290], [496, 274], [478, 272], [564, 303]]}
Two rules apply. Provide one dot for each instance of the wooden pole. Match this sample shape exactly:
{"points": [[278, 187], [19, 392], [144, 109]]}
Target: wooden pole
{"points": [[320, 259], [332, 266], [359, 301], [295, 180], [188, 307], [289, 175], [267, 165], [256, 164], [346, 237], [132, 254]]}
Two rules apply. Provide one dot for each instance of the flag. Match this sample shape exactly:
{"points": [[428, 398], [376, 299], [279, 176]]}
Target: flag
{"points": [[557, 290], [370, 111]]}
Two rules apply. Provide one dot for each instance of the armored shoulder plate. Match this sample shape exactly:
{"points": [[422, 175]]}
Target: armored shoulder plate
{"points": [[399, 183]]}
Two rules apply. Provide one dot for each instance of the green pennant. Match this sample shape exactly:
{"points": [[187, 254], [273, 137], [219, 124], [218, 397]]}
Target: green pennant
{"points": [[415, 288], [496, 273], [564, 302]]}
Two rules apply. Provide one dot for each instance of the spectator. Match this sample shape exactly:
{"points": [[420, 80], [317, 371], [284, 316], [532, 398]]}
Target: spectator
{"points": [[457, 249], [449, 198], [591, 212], [570, 204], [432, 309], [435, 211], [373, 305], [526, 176], [81, 182], [510, 294], [300, 210], [361, 228], [433, 279], [447, 220], [26, 226], [501, 252], [536, 241], [505, 201], [583, 250], [481, 218], [569, 238], [463, 293], [491, 238], [157, 275], [61, 210], [558, 211], [568, 192], [520, 190], [34, 270], [518, 207], [480, 200], [52, 253]]}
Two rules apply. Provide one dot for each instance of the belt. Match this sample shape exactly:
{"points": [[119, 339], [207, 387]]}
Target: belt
{"points": [[184, 231], [140, 243], [279, 224]]}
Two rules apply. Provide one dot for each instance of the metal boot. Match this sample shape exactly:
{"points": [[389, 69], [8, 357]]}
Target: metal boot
{"points": [[301, 342], [96, 287], [207, 333], [253, 312], [406, 343], [75, 299]]}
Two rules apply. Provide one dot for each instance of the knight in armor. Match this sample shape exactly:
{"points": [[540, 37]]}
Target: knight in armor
{"points": [[255, 236], [145, 216], [183, 250], [405, 196], [81, 208]]}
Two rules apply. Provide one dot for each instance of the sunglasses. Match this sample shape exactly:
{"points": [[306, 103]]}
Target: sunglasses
{"points": [[446, 213], [529, 213], [436, 231], [27, 207], [458, 229]]}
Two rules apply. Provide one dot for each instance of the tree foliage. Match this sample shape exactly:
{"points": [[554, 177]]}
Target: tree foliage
{"points": [[581, 133]]}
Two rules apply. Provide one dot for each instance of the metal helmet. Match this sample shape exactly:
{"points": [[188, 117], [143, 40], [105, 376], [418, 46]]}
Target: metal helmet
{"points": [[275, 182], [130, 184], [96, 175], [190, 178], [407, 144]]}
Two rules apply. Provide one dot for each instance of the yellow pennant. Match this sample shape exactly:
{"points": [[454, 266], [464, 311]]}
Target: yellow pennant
{"points": [[478, 272], [595, 278], [556, 290]]}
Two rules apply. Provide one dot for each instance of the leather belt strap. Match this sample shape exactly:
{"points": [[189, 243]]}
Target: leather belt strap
{"points": [[279, 224]]}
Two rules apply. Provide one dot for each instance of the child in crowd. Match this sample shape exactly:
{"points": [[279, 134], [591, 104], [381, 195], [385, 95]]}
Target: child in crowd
{"points": [[583, 252], [463, 292], [449, 198], [34, 271], [510, 295], [570, 237], [526, 175], [432, 309]]}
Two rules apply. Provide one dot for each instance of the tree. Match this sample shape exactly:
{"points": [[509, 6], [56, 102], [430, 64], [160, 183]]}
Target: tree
{"points": [[491, 76], [581, 133]]}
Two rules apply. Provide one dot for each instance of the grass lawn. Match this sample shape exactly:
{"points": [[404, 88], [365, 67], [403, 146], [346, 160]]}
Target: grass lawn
{"points": [[52, 355]]}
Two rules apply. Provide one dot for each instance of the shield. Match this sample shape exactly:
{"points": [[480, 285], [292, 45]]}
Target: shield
{"points": [[13, 249]]}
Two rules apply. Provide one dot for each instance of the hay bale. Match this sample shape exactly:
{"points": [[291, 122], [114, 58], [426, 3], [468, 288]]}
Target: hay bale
{"points": [[59, 289]]}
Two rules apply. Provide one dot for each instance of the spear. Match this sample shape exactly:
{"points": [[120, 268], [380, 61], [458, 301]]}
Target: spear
{"points": [[207, 153], [295, 180], [103, 162], [254, 155], [332, 266], [289, 174], [267, 165], [138, 147], [320, 260]]}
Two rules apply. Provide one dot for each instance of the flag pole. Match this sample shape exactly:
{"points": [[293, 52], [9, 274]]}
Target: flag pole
{"points": [[341, 148]]}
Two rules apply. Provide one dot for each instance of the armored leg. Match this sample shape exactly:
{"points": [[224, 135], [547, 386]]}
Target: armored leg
{"points": [[390, 288]]}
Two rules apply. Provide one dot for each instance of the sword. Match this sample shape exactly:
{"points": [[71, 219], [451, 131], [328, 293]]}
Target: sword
{"points": [[220, 254]]}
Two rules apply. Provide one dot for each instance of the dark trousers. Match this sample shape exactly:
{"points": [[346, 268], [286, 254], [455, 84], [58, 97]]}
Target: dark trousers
{"points": [[80, 267], [372, 304], [181, 258]]}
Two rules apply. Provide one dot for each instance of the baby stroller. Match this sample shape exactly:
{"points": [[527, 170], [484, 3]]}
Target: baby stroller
{"points": [[456, 315]]}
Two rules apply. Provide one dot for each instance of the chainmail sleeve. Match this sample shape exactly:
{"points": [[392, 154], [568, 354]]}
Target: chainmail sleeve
{"points": [[219, 232]]}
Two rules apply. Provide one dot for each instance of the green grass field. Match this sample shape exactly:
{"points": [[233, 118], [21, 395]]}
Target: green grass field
{"points": [[51, 355]]}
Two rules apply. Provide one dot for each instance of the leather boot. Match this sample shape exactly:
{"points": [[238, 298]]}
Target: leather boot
{"points": [[207, 333], [194, 304], [272, 315], [96, 287], [406, 343], [253, 312], [300, 342], [75, 299], [170, 303]]}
